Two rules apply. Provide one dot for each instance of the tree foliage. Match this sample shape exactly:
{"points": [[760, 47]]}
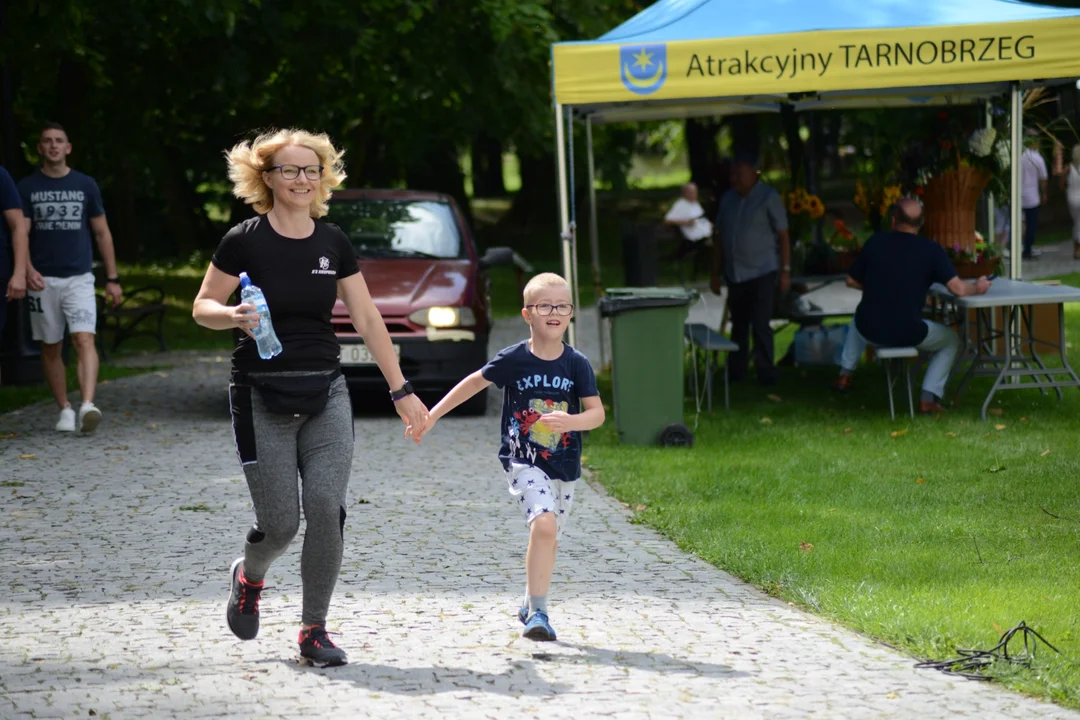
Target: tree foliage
{"points": [[151, 93]]}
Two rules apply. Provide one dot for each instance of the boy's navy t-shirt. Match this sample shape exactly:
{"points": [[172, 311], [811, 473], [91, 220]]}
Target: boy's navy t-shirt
{"points": [[896, 270], [60, 210], [533, 387], [9, 200]]}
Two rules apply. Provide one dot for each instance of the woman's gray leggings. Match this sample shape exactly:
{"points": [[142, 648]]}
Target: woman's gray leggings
{"points": [[272, 448]]}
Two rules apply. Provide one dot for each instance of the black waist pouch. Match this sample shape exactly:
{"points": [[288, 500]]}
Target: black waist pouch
{"points": [[293, 394]]}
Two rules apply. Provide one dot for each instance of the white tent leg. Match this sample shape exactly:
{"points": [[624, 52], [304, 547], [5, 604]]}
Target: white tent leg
{"points": [[1016, 132], [564, 215], [1016, 127], [594, 233], [991, 229], [572, 228]]}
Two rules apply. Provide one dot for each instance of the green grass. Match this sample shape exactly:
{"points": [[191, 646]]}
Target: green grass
{"points": [[13, 397], [930, 534], [181, 283]]}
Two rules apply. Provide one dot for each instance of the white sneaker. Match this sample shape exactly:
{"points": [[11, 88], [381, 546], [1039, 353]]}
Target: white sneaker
{"points": [[89, 417], [66, 423]]}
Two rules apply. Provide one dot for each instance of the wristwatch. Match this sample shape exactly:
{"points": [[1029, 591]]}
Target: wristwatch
{"points": [[405, 390], [112, 280]]}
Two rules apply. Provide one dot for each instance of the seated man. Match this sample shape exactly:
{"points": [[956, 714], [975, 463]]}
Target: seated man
{"points": [[895, 270], [688, 215]]}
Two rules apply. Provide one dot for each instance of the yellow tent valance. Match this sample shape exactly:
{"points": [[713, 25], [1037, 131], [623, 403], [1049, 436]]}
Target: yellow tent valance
{"points": [[596, 73]]}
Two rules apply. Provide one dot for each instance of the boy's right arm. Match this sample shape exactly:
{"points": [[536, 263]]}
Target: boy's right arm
{"points": [[462, 391]]}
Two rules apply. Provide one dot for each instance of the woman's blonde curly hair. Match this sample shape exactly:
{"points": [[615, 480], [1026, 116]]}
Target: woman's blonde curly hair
{"points": [[249, 160]]}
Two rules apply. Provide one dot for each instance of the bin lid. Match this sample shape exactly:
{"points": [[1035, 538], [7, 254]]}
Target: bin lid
{"points": [[617, 300]]}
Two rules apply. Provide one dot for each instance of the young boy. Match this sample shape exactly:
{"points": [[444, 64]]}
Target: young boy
{"points": [[549, 398]]}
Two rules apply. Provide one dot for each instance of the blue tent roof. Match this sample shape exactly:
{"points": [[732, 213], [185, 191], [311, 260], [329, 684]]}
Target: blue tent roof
{"points": [[674, 20]]}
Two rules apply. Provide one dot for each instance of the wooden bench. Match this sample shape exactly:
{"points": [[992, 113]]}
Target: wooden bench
{"points": [[703, 337], [140, 313], [895, 359]]}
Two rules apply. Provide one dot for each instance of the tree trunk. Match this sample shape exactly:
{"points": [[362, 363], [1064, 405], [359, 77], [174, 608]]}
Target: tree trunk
{"points": [[537, 201], [436, 168], [487, 173], [123, 217], [702, 151], [796, 150], [182, 206], [745, 135]]}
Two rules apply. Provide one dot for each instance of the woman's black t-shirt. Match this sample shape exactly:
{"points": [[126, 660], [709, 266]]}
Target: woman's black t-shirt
{"points": [[299, 278]]}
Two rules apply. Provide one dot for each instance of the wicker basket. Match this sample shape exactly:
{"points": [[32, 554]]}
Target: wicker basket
{"points": [[949, 202]]}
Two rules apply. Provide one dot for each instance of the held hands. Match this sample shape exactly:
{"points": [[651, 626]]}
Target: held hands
{"points": [[244, 317], [415, 416]]}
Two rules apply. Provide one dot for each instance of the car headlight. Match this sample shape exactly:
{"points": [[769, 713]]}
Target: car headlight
{"points": [[444, 317]]}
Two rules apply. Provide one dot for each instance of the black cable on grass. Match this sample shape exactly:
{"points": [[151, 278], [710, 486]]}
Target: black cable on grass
{"points": [[972, 663]]}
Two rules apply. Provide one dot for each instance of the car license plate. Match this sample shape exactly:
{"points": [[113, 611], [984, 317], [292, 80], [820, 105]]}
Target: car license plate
{"points": [[356, 354]]}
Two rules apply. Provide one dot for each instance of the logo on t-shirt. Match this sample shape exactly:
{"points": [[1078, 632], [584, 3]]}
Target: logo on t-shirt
{"points": [[57, 209], [324, 267]]}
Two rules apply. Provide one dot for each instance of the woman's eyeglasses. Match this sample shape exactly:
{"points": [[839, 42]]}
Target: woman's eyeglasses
{"points": [[291, 172], [547, 308]]}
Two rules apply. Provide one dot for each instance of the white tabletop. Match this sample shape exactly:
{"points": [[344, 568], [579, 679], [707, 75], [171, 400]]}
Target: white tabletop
{"points": [[1004, 292]]}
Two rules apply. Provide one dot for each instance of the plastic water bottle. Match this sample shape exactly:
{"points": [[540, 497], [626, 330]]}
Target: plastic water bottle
{"points": [[265, 337]]}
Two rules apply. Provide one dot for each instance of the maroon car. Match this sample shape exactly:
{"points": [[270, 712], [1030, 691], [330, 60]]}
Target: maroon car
{"points": [[421, 265]]}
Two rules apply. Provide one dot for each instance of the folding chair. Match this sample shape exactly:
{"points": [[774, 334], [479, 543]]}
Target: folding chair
{"points": [[703, 337], [898, 360]]}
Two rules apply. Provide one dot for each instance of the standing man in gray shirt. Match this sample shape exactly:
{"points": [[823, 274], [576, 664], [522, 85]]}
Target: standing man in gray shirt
{"points": [[752, 253]]}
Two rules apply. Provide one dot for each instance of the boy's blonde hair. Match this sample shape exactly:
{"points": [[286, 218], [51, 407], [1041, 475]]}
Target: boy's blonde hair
{"points": [[248, 161], [541, 281]]}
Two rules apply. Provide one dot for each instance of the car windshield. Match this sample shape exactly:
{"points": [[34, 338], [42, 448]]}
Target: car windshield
{"points": [[398, 228]]}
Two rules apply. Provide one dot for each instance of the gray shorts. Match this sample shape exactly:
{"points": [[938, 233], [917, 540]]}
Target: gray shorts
{"points": [[64, 302]]}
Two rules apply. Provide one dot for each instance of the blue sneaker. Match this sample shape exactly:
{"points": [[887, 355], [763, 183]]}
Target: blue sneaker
{"points": [[538, 627], [523, 614]]}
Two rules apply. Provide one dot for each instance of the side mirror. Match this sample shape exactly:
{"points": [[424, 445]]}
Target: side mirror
{"points": [[497, 256]]}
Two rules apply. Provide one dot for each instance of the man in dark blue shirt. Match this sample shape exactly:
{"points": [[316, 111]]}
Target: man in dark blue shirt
{"points": [[65, 211], [895, 270], [13, 232]]}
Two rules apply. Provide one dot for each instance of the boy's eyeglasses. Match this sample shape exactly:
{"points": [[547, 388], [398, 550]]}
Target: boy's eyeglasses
{"points": [[547, 308], [291, 172]]}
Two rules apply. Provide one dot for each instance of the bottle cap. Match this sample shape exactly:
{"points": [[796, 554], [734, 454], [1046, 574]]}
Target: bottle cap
{"points": [[244, 280]]}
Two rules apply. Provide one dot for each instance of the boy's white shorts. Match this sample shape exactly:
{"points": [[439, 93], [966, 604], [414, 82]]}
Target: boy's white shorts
{"points": [[64, 301], [537, 494]]}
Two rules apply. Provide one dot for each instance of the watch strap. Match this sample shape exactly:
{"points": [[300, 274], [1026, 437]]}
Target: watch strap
{"points": [[404, 391]]}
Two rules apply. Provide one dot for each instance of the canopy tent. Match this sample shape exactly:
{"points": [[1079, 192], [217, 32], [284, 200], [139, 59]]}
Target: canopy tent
{"points": [[694, 58]]}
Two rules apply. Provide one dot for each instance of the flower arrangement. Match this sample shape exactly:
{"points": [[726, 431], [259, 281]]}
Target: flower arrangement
{"points": [[875, 200], [803, 211], [842, 238], [799, 202], [949, 146], [981, 253]]}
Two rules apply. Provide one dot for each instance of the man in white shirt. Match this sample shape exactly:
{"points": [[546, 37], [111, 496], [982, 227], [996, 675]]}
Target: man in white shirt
{"points": [[688, 215], [1035, 177]]}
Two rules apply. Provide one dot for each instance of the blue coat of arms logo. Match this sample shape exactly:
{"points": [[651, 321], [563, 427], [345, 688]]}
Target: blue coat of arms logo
{"points": [[643, 67]]}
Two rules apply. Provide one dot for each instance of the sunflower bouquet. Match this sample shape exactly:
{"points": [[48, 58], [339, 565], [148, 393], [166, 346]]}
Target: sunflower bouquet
{"points": [[803, 209], [875, 199]]}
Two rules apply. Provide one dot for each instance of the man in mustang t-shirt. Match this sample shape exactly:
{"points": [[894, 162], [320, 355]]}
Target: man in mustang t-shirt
{"points": [[64, 206]]}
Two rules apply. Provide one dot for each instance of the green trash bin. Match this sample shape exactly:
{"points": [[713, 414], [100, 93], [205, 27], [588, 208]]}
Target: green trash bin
{"points": [[647, 362]]}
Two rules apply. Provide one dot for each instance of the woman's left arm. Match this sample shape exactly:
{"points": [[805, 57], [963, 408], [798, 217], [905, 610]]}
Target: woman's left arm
{"points": [[367, 320]]}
